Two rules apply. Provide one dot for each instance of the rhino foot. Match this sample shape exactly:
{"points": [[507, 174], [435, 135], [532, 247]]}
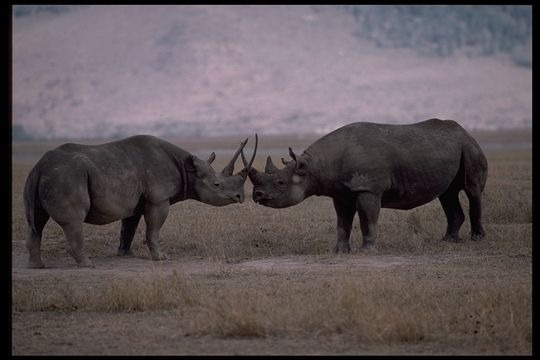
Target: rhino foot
{"points": [[124, 252], [35, 264], [367, 248], [85, 263], [477, 236], [342, 247], [160, 256], [451, 238]]}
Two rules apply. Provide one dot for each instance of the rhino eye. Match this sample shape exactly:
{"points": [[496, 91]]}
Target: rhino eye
{"points": [[280, 182], [216, 184]]}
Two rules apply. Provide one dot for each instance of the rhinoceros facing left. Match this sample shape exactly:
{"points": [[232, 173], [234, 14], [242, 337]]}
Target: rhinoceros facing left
{"points": [[366, 166], [121, 180]]}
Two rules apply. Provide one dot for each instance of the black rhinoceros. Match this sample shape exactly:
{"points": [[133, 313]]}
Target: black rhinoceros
{"points": [[121, 180], [366, 166]]}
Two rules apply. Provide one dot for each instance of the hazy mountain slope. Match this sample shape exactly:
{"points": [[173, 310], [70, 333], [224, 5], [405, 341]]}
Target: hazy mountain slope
{"points": [[443, 30], [119, 70]]}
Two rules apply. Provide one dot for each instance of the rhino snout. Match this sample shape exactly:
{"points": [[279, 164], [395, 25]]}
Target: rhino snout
{"points": [[239, 198], [258, 195]]}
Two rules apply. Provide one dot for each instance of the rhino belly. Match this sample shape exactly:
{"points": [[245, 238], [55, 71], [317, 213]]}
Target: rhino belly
{"points": [[104, 211], [410, 198], [112, 200], [412, 191]]}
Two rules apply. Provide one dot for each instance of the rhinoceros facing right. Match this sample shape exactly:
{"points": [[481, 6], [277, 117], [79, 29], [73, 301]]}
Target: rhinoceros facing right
{"points": [[366, 166], [140, 176]]}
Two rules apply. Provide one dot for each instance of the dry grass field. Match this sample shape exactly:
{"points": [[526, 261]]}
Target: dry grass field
{"points": [[245, 279]]}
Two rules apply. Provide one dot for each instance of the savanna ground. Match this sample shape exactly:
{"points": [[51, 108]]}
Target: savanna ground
{"points": [[245, 279]]}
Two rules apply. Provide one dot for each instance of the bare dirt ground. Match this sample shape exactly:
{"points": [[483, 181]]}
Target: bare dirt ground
{"points": [[92, 333], [162, 331]]}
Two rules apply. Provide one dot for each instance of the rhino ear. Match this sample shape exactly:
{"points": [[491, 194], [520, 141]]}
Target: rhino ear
{"points": [[301, 166], [292, 154], [191, 163], [301, 163]]}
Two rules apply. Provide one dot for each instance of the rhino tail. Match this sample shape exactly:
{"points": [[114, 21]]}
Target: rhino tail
{"points": [[36, 217], [475, 168]]}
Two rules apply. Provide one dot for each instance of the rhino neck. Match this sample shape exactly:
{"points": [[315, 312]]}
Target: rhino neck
{"points": [[317, 182], [189, 190], [183, 189], [322, 180]]}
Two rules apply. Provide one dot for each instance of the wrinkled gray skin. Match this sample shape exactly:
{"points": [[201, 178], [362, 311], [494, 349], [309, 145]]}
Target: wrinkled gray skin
{"points": [[365, 166], [121, 180]]}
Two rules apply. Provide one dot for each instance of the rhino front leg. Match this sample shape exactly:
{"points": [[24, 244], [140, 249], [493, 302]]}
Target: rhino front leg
{"points": [[154, 216], [369, 207], [73, 232], [345, 210], [129, 226]]}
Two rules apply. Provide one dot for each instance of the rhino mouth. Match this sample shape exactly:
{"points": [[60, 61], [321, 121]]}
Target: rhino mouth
{"points": [[263, 200], [236, 199], [268, 202]]}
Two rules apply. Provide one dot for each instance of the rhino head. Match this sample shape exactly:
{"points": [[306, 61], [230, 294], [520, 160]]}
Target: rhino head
{"points": [[279, 188], [222, 188]]}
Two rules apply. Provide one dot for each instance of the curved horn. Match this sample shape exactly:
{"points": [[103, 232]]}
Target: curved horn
{"points": [[212, 157], [228, 170], [247, 166], [244, 158], [270, 167], [285, 162]]}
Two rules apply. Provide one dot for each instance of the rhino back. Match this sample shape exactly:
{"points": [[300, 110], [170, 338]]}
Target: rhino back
{"points": [[409, 164], [113, 177]]}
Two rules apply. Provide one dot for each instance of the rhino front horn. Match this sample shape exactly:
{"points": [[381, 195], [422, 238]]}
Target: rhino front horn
{"points": [[228, 170], [247, 166]]}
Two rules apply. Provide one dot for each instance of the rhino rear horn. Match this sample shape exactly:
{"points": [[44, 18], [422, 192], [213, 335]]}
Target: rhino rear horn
{"points": [[270, 168], [229, 169]]}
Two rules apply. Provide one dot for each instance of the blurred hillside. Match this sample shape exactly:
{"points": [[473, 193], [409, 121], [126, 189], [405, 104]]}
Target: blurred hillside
{"points": [[110, 71], [443, 30]]}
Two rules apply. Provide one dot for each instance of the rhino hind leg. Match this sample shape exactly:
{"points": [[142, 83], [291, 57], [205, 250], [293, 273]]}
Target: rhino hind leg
{"points": [[73, 232], [129, 226], [475, 176], [345, 211], [454, 214], [369, 208], [475, 215], [33, 241]]}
